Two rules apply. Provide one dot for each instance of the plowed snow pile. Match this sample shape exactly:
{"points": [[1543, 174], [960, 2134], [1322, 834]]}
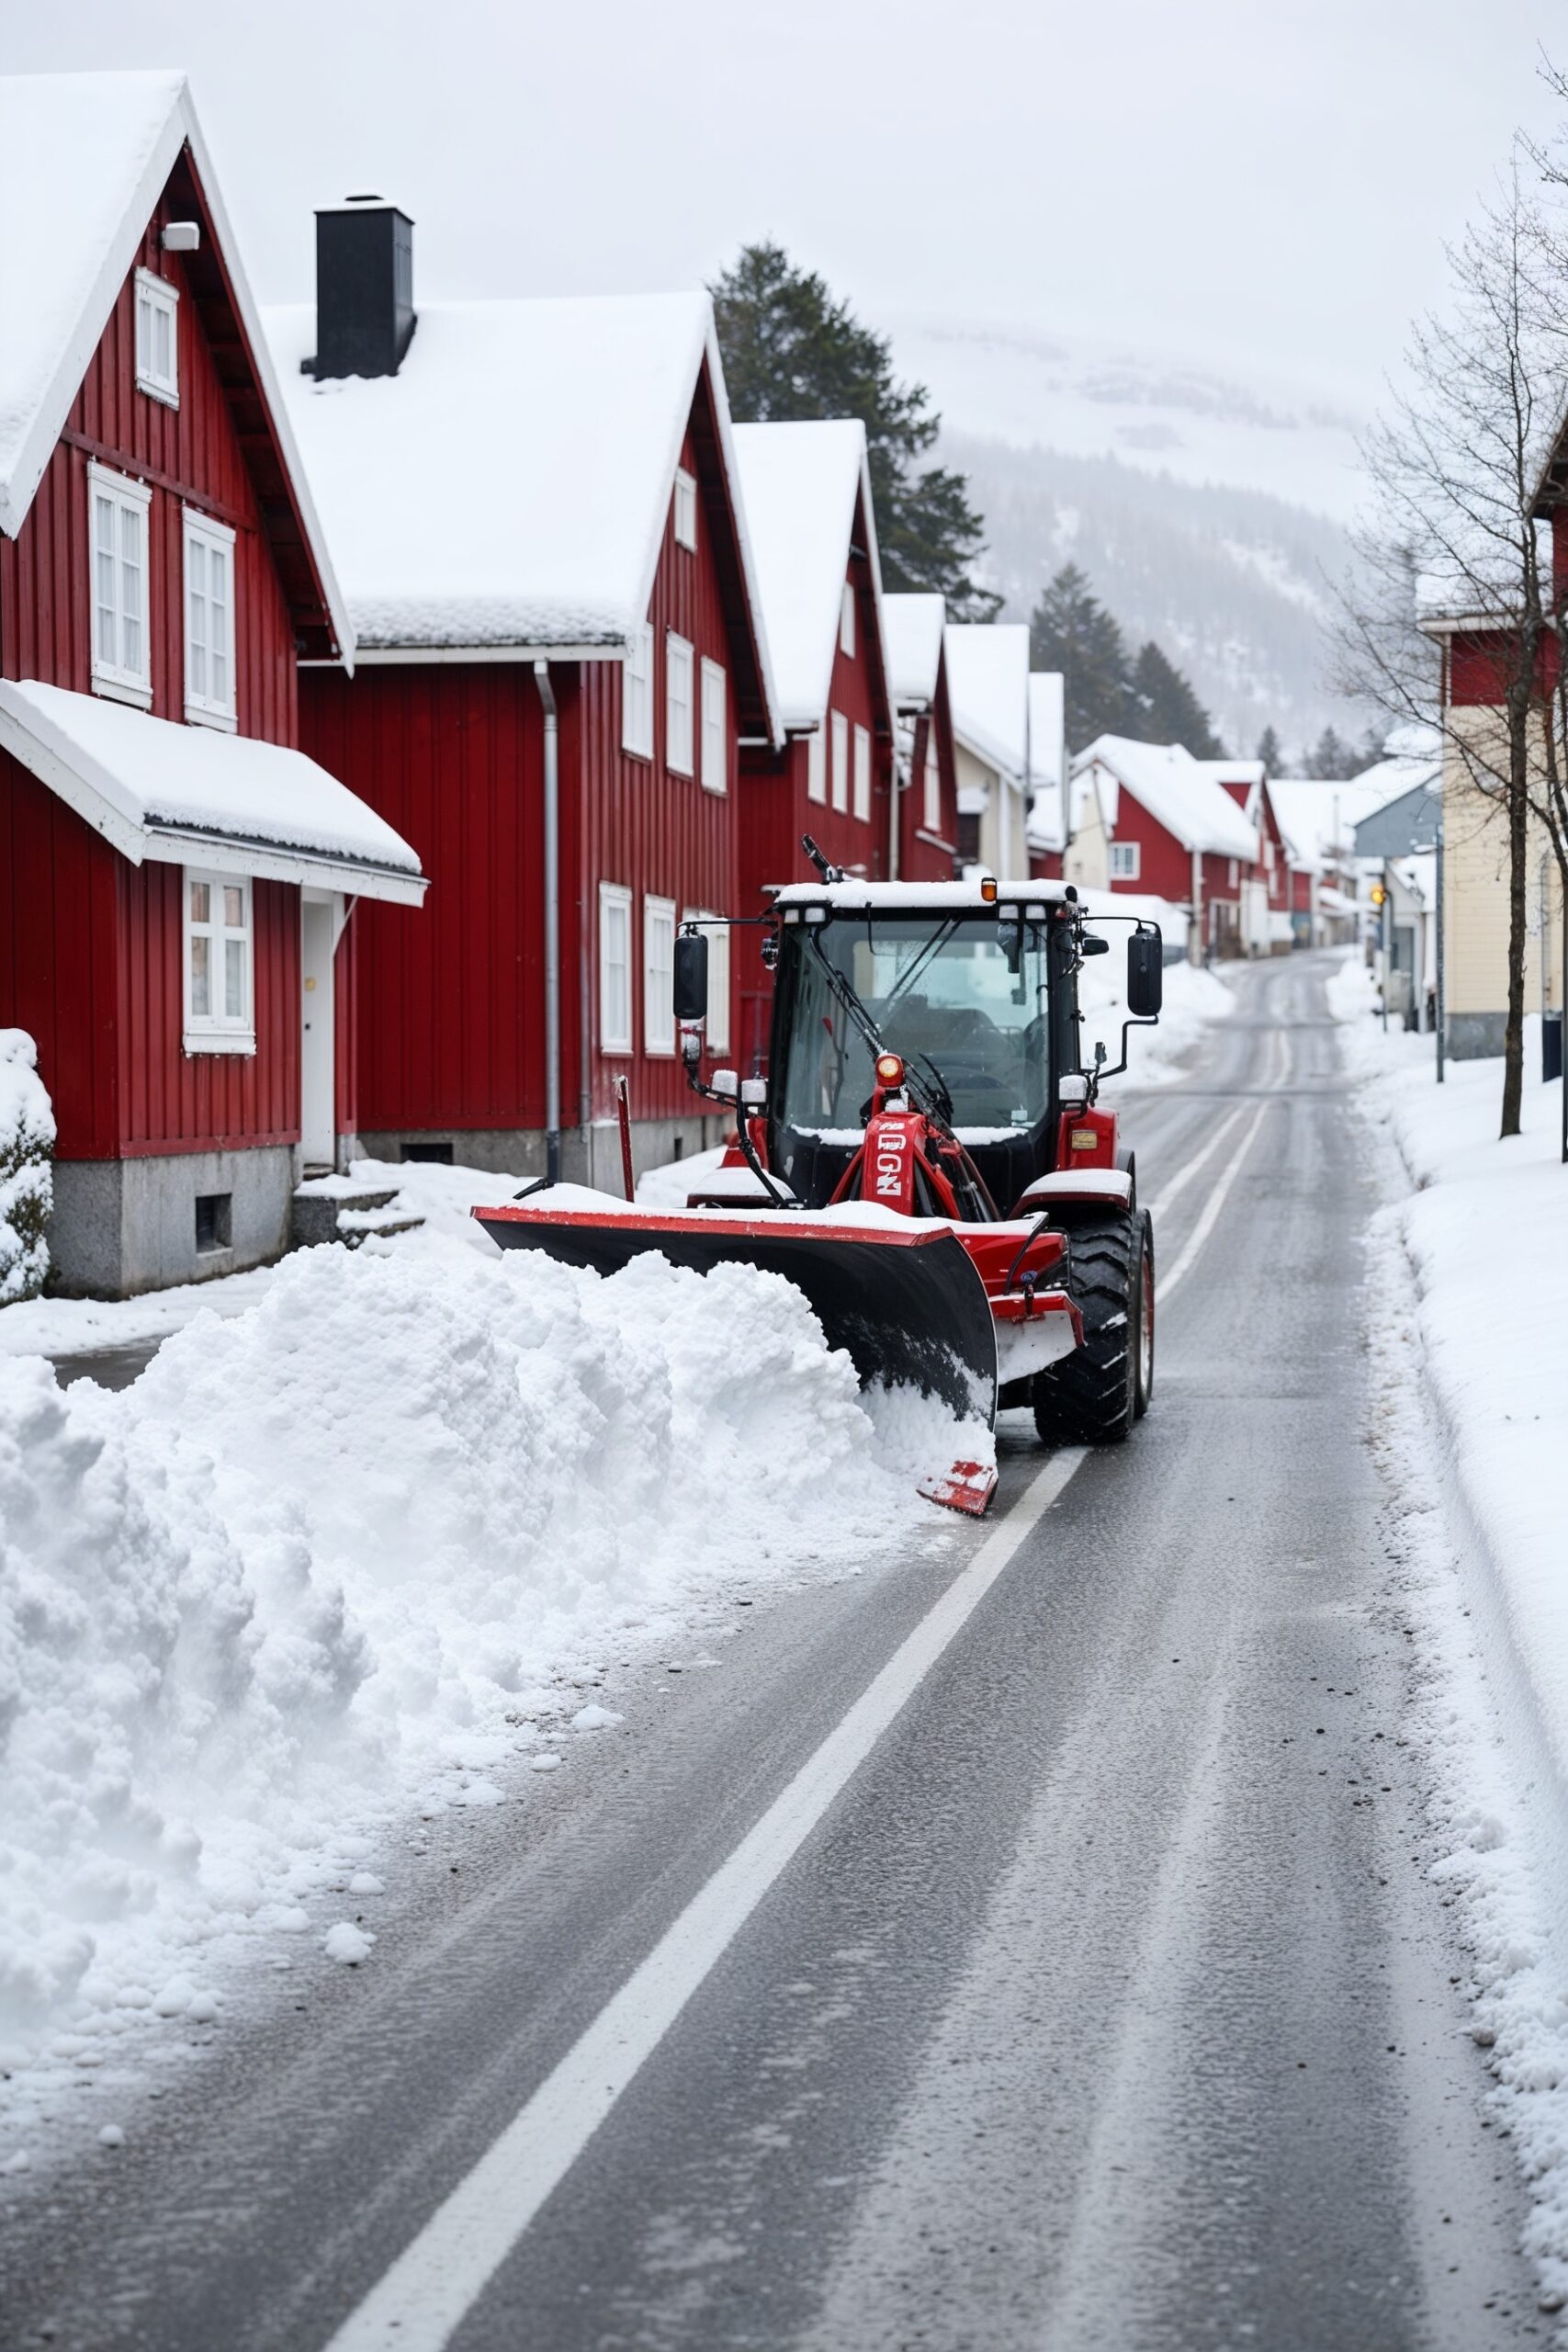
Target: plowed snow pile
{"points": [[301, 1573]]}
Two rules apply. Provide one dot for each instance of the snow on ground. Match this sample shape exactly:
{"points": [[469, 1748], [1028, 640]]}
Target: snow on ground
{"points": [[1193, 998], [27, 1178], [1468, 1313], [331, 1560]]}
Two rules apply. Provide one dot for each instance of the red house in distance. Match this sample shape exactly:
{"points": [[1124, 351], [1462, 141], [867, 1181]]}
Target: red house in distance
{"points": [[176, 880], [808, 512], [534, 508], [1171, 831], [927, 832]]}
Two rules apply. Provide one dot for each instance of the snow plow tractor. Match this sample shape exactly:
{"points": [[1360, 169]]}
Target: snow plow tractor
{"points": [[926, 1158]]}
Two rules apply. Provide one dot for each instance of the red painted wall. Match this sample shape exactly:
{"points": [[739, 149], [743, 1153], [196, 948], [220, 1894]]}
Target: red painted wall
{"points": [[1479, 668], [920, 858], [1165, 866], [94, 942]]}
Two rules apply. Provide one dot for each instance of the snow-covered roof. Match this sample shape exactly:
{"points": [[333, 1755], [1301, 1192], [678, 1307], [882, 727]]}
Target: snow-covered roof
{"points": [[1418, 875], [895, 898], [987, 685], [1047, 826], [1317, 814], [171, 793], [510, 485], [913, 625], [84, 159], [1180, 793], [799, 483]]}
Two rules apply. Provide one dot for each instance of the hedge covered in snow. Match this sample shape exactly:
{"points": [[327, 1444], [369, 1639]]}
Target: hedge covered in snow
{"points": [[27, 1182]]}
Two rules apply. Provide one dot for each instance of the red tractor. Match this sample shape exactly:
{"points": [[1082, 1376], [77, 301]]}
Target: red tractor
{"points": [[926, 1158]]}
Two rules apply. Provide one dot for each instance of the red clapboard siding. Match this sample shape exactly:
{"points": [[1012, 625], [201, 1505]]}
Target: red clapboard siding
{"points": [[1165, 866], [90, 962], [1479, 668]]}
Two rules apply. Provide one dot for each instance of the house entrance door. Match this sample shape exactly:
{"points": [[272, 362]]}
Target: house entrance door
{"points": [[318, 1070]]}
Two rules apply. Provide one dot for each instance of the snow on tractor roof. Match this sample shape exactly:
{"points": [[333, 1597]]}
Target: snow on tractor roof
{"points": [[917, 898]]}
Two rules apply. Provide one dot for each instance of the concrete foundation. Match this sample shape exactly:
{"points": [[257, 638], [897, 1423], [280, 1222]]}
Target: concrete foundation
{"points": [[123, 1226], [1475, 1036], [591, 1158]]}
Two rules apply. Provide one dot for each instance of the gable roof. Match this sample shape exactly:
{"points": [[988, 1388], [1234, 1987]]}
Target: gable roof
{"points": [[84, 160], [987, 681], [509, 487], [1180, 793], [913, 625], [156, 789], [1047, 826], [802, 483]]}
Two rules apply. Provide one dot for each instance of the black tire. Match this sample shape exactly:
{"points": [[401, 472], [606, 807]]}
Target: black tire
{"points": [[1094, 1395]]}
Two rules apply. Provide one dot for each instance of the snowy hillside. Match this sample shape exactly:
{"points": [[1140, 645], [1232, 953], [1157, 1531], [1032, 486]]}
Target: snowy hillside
{"points": [[1208, 513]]}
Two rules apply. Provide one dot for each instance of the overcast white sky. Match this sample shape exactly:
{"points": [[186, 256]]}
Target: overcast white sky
{"points": [[1265, 183]]}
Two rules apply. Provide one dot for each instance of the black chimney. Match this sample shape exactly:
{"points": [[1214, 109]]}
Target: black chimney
{"points": [[364, 313]]}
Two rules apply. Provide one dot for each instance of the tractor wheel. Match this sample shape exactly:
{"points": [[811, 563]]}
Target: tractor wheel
{"points": [[1094, 1395]]}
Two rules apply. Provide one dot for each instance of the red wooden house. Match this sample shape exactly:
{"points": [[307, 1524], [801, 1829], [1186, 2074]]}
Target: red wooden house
{"points": [[1172, 831], [175, 877], [534, 508], [1267, 899], [808, 511], [926, 834]]}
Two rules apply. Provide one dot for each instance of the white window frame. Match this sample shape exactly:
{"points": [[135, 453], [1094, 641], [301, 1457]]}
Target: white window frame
{"points": [[847, 620], [932, 783], [210, 1032], [715, 931], [716, 727], [1125, 860], [685, 509], [816, 766], [680, 666], [131, 501], [839, 727], [211, 542], [1233, 880], [155, 298], [657, 978], [615, 900], [637, 693], [862, 774]]}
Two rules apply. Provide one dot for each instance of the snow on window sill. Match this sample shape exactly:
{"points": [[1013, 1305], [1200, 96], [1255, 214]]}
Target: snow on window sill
{"points": [[220, 1040], [199, 715], [162, 393], [129, 690]]}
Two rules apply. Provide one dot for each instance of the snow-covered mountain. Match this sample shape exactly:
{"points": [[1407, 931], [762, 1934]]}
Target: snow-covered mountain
{"points": [[1208, 513]]}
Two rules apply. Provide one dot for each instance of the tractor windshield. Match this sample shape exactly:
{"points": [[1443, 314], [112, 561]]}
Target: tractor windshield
{"points": [[942, 993]]}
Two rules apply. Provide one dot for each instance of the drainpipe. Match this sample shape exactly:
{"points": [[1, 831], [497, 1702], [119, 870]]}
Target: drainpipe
{"points": [[893, 798], [552, 924]]}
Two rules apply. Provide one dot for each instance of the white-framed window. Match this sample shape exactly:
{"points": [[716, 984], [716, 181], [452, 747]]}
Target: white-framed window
{"points": [[614, 969], [157, 338], [686, 508], [816, 766], [716, 933], [637, 693], [1234, 874], [862, 774], [659, 975], [219, 1017], [1124, 861], [932, 783], [715, 710], [840, 734], [678, 704], [210, 620], [846, 619], [118, 508]]}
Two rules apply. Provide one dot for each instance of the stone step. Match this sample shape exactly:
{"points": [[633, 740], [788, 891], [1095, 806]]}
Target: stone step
{"points": [[318, 1214]]}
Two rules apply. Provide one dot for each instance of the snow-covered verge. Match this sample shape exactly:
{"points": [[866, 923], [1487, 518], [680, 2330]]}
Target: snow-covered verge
{"points": [[336, 1559], [27, 1178], [1193, 999], [1468, 1323]]}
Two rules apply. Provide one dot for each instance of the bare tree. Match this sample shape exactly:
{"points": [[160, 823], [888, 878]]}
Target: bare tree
{"points": [[1452, 554]]}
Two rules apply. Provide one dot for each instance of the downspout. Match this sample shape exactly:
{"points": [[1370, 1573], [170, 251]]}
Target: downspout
{"points": [[552, 924], [893, 800]]}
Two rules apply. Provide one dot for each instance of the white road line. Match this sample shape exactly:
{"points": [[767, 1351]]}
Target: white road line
{"points": [[420, 2301], [1200, 1234], [1184, 1176]]}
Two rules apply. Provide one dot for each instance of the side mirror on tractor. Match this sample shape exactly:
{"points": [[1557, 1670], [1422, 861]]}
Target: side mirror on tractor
{"points": [[690, 991], [1146, 975]]}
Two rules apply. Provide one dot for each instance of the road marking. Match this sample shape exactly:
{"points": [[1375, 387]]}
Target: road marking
{"points": [[1194, 1242], [418, 2305], [1180, 1182]]}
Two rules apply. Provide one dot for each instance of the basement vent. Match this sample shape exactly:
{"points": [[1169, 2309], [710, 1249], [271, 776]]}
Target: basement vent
{"points": [[439, 1155], [214, 1222]]}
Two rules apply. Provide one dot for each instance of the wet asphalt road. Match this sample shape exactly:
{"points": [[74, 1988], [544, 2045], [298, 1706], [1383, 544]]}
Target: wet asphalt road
{"points": [[1105, 2008]]}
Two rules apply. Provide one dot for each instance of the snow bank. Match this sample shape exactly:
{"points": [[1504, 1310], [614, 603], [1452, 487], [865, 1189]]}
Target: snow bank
{"points": [[27, 1178], [1470, 1324], [1193, 999], [323, 1560]]}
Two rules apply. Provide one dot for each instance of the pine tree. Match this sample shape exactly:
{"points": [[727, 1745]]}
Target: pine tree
{"points": [[1331, 757], [1070, 630], [1169, 712], [1268, 750], [791, 350]]}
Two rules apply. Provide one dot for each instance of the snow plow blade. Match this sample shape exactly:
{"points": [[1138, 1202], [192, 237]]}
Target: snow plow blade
{"points": [[907, 1307]]}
